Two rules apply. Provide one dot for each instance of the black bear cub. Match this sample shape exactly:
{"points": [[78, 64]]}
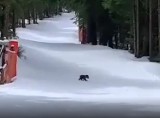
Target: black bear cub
{"points": [[84, 77]]}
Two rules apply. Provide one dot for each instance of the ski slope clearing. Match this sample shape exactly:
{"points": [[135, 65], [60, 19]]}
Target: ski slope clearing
{"points": [[55, 59]]}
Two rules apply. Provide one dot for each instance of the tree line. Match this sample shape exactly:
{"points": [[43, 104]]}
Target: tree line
{"points": [[132, 25], [14, 13]]}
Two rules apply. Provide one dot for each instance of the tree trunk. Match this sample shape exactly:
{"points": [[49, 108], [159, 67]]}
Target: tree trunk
{"points": [[144, 21], [34, 16], [91, 23], [14, 23], [41, 15], [154, 30], [137, 54], [91, 30], [116, 40], [134, 27], [47, 12], [23, 20], [159, 26], [146, 41], [29, 17], [150, 29], [142, 26], [3, 22], [154, 27], [5, 18]]}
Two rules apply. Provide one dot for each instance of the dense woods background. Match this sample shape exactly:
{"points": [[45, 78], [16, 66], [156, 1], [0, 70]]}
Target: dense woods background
{"points": [[132, 25]]}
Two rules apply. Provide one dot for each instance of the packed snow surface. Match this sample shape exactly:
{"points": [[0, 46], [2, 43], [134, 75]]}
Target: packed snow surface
{"points": [[55, 59]]}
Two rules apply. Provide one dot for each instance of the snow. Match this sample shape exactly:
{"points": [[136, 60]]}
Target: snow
{"points": [[55, 59], [51, 31]]}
